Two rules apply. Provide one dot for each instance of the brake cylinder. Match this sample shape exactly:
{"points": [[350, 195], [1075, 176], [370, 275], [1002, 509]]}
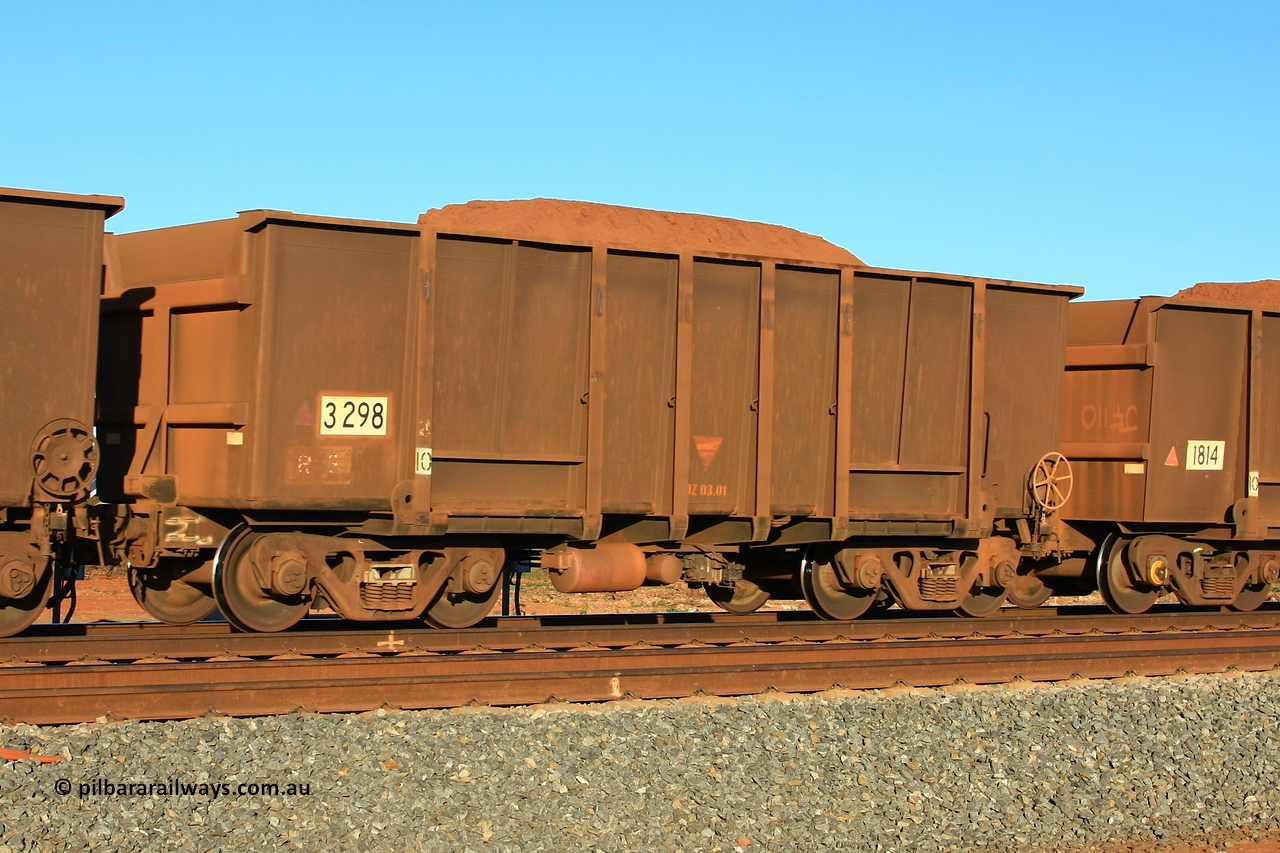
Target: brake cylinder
{"points": [[663, 569], [604, 568]]}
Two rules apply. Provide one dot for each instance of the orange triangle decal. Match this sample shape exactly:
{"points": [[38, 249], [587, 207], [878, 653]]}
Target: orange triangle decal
{"points": [[304, 415], [708, 446], [1172, 458]]}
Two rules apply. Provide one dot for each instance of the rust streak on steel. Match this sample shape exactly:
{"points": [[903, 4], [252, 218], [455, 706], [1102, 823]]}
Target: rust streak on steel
{"points": [[53, 695]]}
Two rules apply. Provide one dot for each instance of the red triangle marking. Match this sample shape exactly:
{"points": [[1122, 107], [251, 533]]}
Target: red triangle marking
{"points": [[304, 415], [708, 446], [1172, 458]]}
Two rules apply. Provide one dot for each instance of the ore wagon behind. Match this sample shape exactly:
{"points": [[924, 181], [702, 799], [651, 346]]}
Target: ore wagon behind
{"points": [[1172, 424]]}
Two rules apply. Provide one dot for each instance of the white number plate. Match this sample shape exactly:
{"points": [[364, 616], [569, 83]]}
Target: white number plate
{"points": [[1205, 455], [353, 415], [422, 462]]}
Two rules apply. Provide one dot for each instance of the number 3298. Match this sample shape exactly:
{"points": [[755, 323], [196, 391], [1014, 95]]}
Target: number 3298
{"points": [[353, 415]]}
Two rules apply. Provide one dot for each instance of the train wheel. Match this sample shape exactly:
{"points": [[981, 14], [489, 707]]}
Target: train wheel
{"points": [[742, 597], [1118, 590], [461, 609], [167, 597], [1251, 598], [884, 600], [240, 596], [982, 601], [18, 613], [1028, 592], [829, 598]]}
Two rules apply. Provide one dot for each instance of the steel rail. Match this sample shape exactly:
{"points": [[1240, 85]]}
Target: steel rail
{"points": [[423, 679], [126, 642]]}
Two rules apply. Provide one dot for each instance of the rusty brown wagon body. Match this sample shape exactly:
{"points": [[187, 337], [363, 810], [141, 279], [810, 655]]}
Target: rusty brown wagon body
{"points": [[50, 276], [382, 414], [1170, 421]]}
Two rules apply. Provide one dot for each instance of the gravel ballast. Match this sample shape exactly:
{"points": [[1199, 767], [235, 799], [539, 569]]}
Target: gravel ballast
{"points": [[1063, 767]]}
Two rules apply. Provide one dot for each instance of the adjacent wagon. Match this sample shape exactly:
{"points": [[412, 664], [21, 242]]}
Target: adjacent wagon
{"points": [[1172, 425], [51, 273]]}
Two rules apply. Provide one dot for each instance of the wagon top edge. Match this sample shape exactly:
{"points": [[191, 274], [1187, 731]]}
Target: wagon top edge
{"points": [[1157, 303], [109, 204], [254, 220]]}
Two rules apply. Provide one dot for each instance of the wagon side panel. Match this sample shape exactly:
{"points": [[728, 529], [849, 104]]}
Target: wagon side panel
{"points": [[910, 424], [724, 388], [806, 308], [510, 377], [50, 274], [334, 354], [1106, 411], [1025, 345], [175, 350], [1198, 398], [1267, 424], [639, 384]]}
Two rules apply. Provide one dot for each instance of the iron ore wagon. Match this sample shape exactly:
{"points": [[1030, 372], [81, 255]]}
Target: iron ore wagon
{"points": [[379, 417]]}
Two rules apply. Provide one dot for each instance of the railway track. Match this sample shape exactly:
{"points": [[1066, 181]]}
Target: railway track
{"points": [[77, 673]]}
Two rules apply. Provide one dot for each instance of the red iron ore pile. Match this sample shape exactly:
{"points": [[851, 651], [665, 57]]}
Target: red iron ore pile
{"points": [[1264, 293], [577, 222]]}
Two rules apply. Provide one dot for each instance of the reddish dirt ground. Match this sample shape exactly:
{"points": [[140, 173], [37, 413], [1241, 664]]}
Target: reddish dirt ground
{"points": [[1223, 844], [550, 220], [105, 597]]}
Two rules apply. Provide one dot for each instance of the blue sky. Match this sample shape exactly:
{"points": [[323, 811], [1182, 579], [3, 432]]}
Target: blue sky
{"points": [[1127, 147]]}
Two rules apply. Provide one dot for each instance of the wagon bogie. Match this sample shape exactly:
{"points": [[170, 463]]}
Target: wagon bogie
{"points": [[972, 580], [266, 580], [1139, 569]]}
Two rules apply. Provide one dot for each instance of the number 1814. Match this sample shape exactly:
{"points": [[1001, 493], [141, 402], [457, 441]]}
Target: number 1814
{"points": [[1205, 455]]}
